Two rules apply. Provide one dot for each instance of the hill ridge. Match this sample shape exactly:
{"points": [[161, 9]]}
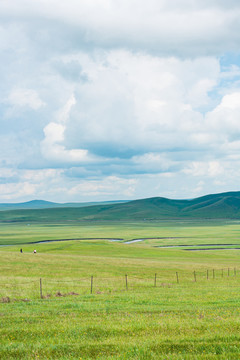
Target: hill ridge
{"points": [[212, 206]]}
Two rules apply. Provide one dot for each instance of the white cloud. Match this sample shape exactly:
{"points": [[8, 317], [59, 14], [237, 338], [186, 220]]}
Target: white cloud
{"points": [[54, 132], [110, 186], [15, 191], [230, 101], [64, 113], [51, 146], [20, 185], [177, 27], [7, 172], [153, 162], [140, 101], [25, 97], [225, 117], [204, 169], [126, 97], [37, 176]]}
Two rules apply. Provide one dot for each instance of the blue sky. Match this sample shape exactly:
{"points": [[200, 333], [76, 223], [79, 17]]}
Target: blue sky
{"points": [[104, 99]]}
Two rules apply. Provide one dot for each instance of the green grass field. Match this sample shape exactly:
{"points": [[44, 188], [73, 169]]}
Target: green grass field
{"points": [[143, 318]]}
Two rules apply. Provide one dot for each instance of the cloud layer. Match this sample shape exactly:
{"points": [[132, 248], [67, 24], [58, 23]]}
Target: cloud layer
{"points": [[115, 100]]}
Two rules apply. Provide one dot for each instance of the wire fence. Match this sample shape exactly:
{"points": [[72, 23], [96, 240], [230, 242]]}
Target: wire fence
{"points": [[43, 288]]}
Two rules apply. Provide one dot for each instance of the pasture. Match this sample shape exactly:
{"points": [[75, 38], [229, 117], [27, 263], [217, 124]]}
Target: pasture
{"points": [[90, 309]]}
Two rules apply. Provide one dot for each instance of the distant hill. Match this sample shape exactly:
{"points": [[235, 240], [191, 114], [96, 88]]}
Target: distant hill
{"points": [[34, 204], [216, 206], [42, 204]]}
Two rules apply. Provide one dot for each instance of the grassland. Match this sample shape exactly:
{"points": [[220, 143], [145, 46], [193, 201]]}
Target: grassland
{"points": [[145, 320]]}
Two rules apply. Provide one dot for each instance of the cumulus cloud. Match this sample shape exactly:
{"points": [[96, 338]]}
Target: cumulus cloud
{"points": [[151, 94], [52, 145], [176, 27], [103, 98], [208, 169]]}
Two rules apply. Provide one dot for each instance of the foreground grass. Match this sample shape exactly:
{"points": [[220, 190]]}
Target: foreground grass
{"points": [[186, 320], [162, 324]]}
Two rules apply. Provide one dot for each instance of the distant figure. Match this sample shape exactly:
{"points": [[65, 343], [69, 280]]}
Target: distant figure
{"points": [[34, 251], [20, 250]]}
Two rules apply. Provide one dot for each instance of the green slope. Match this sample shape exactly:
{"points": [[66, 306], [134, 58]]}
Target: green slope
{"points": [[225, 205]]}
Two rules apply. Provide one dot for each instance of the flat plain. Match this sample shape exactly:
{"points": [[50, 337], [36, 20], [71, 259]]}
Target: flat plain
{"points": [[173, 295]]}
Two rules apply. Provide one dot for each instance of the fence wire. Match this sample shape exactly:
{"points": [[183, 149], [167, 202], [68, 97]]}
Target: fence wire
{"points": [[46, 287]]}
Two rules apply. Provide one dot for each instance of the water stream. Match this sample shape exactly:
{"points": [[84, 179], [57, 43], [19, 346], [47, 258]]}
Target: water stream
{"points": [[186, 247]]}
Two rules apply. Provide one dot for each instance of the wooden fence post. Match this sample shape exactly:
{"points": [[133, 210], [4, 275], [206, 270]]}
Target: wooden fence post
{"points": [[155, 280], [213, 274], [41, 296], [126, 280], [207, 274], [177, 277], [195, 278], [235, 272], [91, 284]]}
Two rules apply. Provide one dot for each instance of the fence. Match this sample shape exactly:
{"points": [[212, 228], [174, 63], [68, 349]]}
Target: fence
{"points": [[48, 287]]}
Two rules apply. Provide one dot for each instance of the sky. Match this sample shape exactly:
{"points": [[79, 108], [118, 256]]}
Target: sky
{"points": [[118, 99]]}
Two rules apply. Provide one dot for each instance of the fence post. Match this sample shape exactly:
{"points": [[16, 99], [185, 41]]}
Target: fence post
{"points": [[222, 273], [213, 274], [177, 277], [195, 279], [155, 280], [235, 272], [41, 296], [207, 274], [91, 284], [126, 280]]}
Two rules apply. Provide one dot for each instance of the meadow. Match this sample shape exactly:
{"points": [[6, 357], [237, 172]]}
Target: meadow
{"points": [[103, 299]]}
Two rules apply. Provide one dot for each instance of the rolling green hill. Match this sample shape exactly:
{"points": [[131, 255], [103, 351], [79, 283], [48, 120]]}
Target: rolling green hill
{"points": [[216, 206]]}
